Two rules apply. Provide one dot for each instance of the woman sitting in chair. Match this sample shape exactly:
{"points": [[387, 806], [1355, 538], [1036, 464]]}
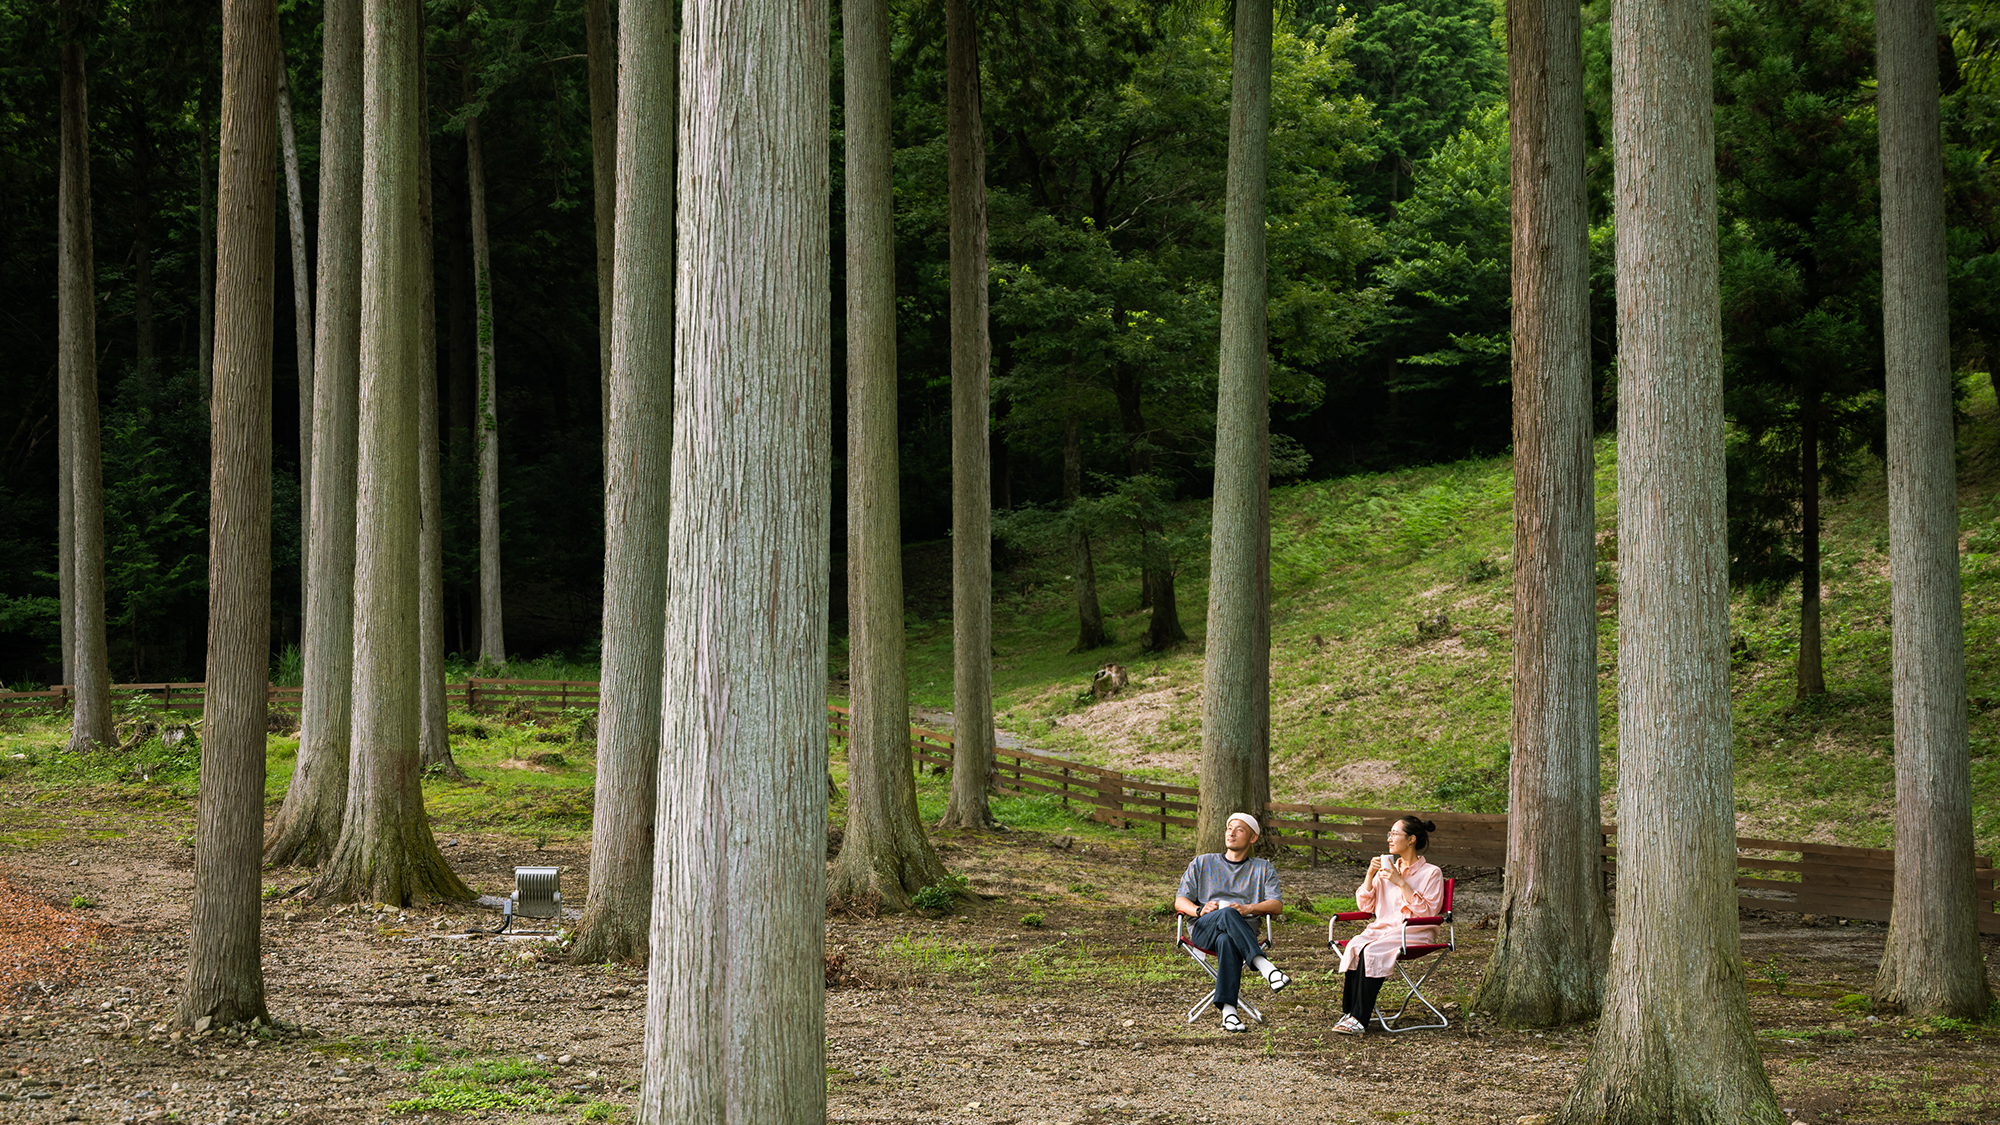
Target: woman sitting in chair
{"points": [[1399, 885]]}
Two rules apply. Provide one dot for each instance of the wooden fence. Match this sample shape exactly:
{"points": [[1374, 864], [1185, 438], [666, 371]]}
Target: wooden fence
{"points": [[1774, 874]]}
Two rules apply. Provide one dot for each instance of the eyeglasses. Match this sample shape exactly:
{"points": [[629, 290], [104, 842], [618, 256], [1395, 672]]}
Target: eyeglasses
{"points": [[1397, 832]]}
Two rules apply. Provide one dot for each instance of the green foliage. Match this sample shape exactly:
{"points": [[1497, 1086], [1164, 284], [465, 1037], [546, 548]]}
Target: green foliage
{"points": [[1031, 920], [1426, 67], [1855, 1002], [942, 896]]}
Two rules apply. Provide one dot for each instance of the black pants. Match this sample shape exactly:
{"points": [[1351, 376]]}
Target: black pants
{"points": [[1358, 993], [1234, 940]]}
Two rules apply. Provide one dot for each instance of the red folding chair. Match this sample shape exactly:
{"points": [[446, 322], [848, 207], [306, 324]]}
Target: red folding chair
{"points": [[1406, 954], [1206, 959]]}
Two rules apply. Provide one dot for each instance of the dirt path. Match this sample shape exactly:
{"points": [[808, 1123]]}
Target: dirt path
{"points": [[982, 1017]]}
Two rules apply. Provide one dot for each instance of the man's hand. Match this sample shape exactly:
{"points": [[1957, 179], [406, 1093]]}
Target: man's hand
{"points": [[1242, 908]]}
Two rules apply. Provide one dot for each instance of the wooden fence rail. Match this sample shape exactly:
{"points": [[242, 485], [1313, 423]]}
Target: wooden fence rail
{"points": [[1777, 874]]}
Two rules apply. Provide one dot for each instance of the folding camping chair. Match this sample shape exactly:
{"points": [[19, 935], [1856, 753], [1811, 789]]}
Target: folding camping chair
{"points": [[1405, 954], [1206, 959]]}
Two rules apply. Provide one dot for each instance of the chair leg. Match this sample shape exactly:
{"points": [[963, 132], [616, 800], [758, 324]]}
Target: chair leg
{"points": [[1202, 1005], [1388, 1023]]}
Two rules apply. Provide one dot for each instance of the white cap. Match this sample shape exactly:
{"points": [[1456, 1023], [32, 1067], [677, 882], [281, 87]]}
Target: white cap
{"points": [[1255, 828]]}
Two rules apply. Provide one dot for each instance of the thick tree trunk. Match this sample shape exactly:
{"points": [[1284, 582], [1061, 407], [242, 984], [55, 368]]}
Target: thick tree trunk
{"points": [[1090, 630], [386, 852], [1812, 676], [1675, 1041], [885, 853], [1236, 676], [745, 679], [1548, 962], [1163, 629], [90, 671], [434, 734], [486, 414], [601, 51], [1932, 963], [971, 402], [617, 918], [225, 976], [302, 302], [308, 824]]}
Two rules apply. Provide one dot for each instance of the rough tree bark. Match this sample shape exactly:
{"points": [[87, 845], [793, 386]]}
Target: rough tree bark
{"points": [[89, 661], [301, 301], [225, 975], [1931, 963], [486, 415], [1675, 1041], [971, 405], [1237, 671], [308, 824], [617, 917], [601, 62], [885, 853], [1548, 962], [1090, 630], [386, 852], [434, 734], [741, 859]]}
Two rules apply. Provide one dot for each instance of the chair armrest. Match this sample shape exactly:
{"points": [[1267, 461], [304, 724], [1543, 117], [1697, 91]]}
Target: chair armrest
{"points": [[1354, 916], [1427, 921]]}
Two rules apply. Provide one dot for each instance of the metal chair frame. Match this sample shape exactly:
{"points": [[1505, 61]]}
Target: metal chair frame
{"points": [[1206, 959], [1405, 954]]}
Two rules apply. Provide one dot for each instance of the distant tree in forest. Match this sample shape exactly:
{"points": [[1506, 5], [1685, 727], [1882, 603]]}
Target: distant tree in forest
{"points": [[617, 917], [1802, 370], [971, 407], [386, 852]]}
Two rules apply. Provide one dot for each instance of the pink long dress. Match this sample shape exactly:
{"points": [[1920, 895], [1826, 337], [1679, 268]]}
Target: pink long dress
{"points": [[1378, 944]]}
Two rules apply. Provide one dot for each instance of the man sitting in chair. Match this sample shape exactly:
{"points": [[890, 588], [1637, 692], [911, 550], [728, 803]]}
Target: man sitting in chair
{"points": [[1222, 892]]}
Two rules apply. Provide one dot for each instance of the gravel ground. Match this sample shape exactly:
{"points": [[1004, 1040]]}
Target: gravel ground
{"points": [[979, 1017]]}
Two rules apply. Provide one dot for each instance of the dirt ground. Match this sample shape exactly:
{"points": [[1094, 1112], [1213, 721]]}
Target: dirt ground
{"points": [[982, 1017]]}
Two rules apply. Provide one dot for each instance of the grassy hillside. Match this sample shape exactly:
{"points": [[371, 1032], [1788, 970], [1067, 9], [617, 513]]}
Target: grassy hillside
{"points": [[1369, 706]]}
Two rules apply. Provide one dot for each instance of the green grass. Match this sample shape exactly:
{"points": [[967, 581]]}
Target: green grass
{"points": [[486, 1084], [1357, 562]]}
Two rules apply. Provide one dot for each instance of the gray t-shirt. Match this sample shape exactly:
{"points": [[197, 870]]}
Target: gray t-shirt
{"points": [[1212, 878]]}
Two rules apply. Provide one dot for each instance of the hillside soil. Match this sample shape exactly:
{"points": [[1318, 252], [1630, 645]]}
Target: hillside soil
{"points": [[983, 1016]]}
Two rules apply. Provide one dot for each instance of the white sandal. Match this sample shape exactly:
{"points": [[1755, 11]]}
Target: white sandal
{"points": [[1348, 1025], [1231, 1022]]}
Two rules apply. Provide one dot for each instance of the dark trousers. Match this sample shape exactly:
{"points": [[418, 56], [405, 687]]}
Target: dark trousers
{"points": [[1358, 993], [1234, 941]]}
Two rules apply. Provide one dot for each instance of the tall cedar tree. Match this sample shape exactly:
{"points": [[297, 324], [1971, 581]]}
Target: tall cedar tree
{"points": [[225, 975], [308, 823], [82, 467], [617, 917], [1548, 961], [885, 853], [971, 452], [741, 883], [386, 852], [1931, 963], [1675, 1041], [601, 66], [486, 415], [1236, 691], [302, 329], [434, 735]]}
